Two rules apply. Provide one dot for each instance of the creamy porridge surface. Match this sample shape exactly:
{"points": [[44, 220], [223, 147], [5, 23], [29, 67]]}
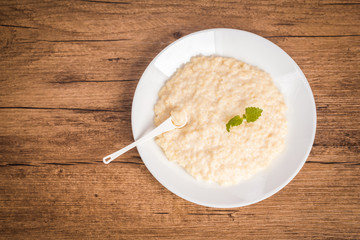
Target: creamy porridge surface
{"points": [[209, 91]]}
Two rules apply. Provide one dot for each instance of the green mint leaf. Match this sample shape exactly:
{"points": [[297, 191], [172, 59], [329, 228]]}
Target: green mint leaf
{"points": [[235, 121], [252, 113]]}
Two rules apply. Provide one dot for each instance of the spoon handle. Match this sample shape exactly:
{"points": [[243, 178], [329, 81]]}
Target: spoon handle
{"points": [[167, 125]]}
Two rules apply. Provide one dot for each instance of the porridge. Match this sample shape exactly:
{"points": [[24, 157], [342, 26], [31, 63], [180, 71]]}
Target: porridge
{"points": [[208, 92]]}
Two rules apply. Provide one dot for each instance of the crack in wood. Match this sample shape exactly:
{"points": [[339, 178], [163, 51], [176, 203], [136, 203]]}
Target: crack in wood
{"points": [[222, 210], [77, 41], [88, 81], [312, 36], [18, 164], [69, 109], [84, 41], [284, 24], [344, 143], [82, 163], [210, 214], [59, 164], [93, 1], [16, 26], [141, 163], [345, 163], [63, 164], [116, 59], [117, 40], [137, 163], [230, 215], [340, 4]]}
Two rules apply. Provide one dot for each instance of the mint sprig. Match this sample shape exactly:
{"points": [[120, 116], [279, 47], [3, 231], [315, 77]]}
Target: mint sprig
{"points": [[251, 115], [235, 121]]}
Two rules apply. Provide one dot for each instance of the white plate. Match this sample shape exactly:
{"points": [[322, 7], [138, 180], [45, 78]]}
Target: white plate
{"points": [[251, 49]]}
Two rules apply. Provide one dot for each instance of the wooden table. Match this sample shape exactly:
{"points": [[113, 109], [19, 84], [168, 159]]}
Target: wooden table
{"points": [[68, 73]]}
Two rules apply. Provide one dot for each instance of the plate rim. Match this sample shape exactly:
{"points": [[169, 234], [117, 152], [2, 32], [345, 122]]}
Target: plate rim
{"points": [[270, 193]]}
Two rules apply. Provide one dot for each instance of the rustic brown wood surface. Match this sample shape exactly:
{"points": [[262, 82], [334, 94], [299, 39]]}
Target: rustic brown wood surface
{"points": [[68, 72]]}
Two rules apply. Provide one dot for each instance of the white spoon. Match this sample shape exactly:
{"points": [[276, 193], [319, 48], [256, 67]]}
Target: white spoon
{"points": [[167, 125]]}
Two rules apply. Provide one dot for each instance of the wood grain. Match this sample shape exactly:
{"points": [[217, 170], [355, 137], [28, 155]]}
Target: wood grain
{"points": [[68, 71]]}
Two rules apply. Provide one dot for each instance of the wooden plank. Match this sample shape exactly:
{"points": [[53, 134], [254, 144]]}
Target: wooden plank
{"points": [[55, 105], [66, 136], [68, 71], [93, 200]]}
